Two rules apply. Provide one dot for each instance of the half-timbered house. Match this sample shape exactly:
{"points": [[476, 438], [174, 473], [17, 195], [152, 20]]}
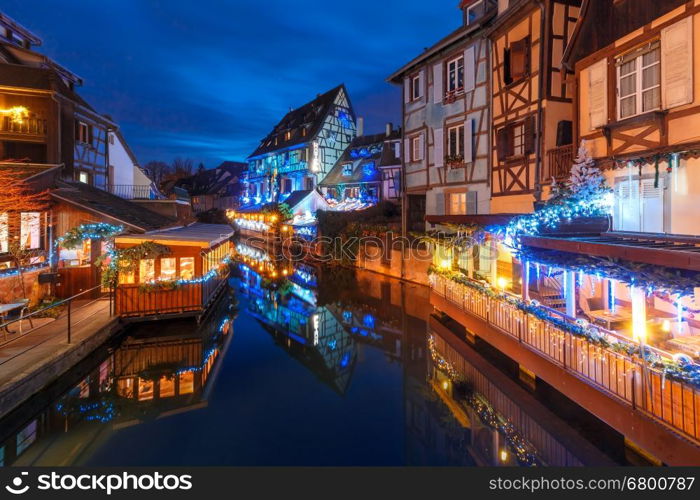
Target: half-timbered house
{"points": [[446, 123], [530, 101], [301, 149]]}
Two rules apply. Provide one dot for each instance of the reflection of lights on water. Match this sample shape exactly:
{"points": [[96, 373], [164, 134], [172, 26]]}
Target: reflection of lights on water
{"points": [[504, 456], [445, 385], [314, 322], [345, 360]]}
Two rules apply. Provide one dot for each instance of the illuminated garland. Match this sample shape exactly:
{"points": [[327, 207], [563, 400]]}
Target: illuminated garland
{"points": [[524, 451], [678, 369], [76, 236], [6, 273]]}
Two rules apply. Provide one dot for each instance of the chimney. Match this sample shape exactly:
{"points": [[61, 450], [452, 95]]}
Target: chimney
{"points": [[360, 126], [389, 129]]}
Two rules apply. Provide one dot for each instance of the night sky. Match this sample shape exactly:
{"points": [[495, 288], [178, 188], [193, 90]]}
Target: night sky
{"points": [[208, 79]]}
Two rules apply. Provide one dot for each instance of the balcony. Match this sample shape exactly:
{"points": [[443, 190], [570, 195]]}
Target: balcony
{"points": [[132, 192], [558, 164], [29, 128], [613, 368]]}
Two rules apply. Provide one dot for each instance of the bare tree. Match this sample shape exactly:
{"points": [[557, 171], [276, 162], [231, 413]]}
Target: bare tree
{"points": [[182, 167], [157, 171]]}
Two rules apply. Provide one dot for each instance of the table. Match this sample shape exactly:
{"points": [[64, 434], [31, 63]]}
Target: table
{"points": [[689, 345], [6, 309], [609, 318]]}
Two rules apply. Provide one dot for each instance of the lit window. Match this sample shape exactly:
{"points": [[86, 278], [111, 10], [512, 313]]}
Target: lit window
{"points": [[518, 139], [147, 270], [347, 169], [167, 387], [186, 382], [84, 177], [126, 276], [30, 230], [168, 268], [187, 268], [458, 203], [145, 389], [455, 141], [125, 387], [4, 233], [639, 82], [455, 74]]}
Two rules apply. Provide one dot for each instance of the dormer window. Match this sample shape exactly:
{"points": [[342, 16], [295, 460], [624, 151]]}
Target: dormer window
{"points": [[474, 12], [288, 135]]}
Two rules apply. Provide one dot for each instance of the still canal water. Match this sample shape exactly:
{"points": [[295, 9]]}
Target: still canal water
{"points": [[294, 366]]}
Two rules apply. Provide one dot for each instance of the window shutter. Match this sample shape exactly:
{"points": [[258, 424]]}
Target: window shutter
{"points": [[507, 78], [421, 146], [438, 147], [471, 202], [439, 203], [598, 94], [407, 90], [677, 63], [407, 150], [421, 83], [529, 135], [469, 69], [438, 90], [519, 59], [652, 201], [468, 141], [503, 143]]}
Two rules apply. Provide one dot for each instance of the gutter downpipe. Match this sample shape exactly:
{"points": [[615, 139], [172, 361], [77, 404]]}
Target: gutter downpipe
{"points": [[541, 87]]}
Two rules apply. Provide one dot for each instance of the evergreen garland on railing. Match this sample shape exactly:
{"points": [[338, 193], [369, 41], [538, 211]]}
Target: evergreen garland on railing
{"points": [[676, 369], [127, 259], [76, 236]]}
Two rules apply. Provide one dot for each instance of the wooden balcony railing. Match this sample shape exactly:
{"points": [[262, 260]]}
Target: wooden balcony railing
{"points": [[29, 126], [558, 164], [621, 376]]}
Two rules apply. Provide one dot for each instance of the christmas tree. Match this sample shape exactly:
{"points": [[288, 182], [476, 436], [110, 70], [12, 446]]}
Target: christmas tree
{"points": [[586, 179]]}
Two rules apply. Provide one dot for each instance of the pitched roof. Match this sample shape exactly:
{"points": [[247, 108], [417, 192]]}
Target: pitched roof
{"points": [[366, 153], [308, 117], [213, 181], [199, 234], [603, 21], [106, 204], [296, 197]]}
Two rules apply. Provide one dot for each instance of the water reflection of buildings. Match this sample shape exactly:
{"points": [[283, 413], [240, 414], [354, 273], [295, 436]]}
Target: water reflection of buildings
{"points": [[507, 425], [144, 378]]}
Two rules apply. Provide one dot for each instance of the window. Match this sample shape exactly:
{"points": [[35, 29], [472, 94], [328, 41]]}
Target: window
{"points": [[111, 139], [455, 74], [347, 170], [125, 387], [186, 382], [145, 389], [126, 276], [308, 183], [288, 135], [458, 204], [4, 233], [30, 230], [516, 61], [455, 142], [639, 81], [416, 148], [166, 387], [415, 87], [168, 269], [84, 177], [186, 268], [474, 12], [147, 270], [516, 139], [286, 185], [83, 132]]}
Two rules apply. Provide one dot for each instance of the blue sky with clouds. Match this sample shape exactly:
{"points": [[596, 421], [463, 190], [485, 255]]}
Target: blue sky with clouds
{"points": [[207, 79]]}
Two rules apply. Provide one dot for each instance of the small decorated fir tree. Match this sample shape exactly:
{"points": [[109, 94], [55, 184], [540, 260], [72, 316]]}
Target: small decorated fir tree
{"points": [[586, 178]]}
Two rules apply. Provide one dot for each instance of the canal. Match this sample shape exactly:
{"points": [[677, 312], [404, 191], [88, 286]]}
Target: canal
{"points": [[294, 366]]}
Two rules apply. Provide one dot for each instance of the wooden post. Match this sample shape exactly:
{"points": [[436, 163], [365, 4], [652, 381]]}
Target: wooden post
{"points": [[526, 280]]}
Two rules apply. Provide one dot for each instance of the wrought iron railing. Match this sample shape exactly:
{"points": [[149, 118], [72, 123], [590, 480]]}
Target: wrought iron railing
{"points": [[558, 164], [134, 192], [625, 377]]}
